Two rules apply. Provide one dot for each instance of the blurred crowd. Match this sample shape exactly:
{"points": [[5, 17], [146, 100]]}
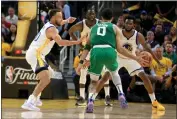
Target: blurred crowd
{"points": [[8, 29]]}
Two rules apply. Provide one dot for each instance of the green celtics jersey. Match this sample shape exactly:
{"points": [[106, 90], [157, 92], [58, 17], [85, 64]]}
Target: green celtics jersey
{"points": [[103, 34]]}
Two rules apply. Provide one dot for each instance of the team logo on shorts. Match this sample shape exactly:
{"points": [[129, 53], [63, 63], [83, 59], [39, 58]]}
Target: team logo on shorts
{"points": [[128, 47]]}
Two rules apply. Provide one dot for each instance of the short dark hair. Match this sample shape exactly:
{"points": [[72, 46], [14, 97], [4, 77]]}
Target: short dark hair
{"points": [[169, 43], [107, 14], [130, 18], [53, 12]]}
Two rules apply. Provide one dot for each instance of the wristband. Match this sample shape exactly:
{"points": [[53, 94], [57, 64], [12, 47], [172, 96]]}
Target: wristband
{"points": [[87, 47]]}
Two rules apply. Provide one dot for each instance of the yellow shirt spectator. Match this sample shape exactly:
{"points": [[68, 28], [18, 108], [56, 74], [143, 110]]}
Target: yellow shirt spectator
{"points": [[159, 70]]}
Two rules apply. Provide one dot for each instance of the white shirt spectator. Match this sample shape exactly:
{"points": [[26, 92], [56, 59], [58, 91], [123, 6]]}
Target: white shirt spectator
{"points": [[12, 20]]}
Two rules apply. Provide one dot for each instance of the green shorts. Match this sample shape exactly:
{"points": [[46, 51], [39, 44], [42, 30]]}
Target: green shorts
{"points": [[100, 57]]}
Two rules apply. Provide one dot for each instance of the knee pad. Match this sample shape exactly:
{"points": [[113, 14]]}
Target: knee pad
{"points": [[83, 76], [94, 77]]}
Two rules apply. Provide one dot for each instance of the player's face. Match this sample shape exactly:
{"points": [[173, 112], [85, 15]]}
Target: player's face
{"points": [[58, 18], [91, 15], [129, 25]]}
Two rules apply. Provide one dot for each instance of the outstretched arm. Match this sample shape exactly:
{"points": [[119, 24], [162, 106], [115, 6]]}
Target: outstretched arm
{"points": [[53, 34]]}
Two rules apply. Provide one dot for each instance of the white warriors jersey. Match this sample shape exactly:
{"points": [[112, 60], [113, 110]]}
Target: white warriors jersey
{"points": [[41, 43], [86, 29], [130, 44]]}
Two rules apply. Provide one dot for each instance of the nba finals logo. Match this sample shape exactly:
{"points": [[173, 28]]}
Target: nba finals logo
{"points": [[20, 75], [9, 74]]}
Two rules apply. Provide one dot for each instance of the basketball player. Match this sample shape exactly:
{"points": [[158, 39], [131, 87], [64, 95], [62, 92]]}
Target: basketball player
{"points": [[104, 39], [130, 39], [39, 48], [84, 28]]}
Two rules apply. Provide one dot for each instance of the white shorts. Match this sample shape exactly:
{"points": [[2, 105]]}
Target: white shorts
{"points": [[132, 66], [37, 62]]}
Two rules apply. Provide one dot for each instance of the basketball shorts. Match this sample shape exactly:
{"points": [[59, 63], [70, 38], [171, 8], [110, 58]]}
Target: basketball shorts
{"points": [[132, 66], [37, 61], [99, 59]]}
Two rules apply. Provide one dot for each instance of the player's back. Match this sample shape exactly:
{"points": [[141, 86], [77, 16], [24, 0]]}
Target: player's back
{"points": [[41, 43], [103, 34]]}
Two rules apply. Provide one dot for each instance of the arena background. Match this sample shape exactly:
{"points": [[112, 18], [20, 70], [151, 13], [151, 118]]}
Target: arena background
{"points": [[17, 78]]}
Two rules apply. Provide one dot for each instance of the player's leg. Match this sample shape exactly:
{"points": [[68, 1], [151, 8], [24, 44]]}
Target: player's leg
{"points": [[82, 82], [41, 69], [136, 69], [96, 66], [106, 87], [39, 102], [117, 81]]}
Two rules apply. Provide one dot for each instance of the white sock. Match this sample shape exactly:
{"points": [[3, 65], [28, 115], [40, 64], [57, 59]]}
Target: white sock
{"points": [[92, 96], [38, 97], [82, 92], [119, 88], [32, 99], [152, 97], [106, 90], [117, 81]]}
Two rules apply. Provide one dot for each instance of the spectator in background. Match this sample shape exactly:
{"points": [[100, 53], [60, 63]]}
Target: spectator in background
{"points": [[160, 71], [173, 34], [4, 22], [125, 13], [159, 33], [12, 34], [167, 39], [150, 40], [169, 53], [120, 22], [11, 18], [163, 76]]}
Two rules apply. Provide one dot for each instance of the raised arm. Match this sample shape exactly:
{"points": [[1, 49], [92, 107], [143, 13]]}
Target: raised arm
{"points": [[53, 34], [74, 28]]}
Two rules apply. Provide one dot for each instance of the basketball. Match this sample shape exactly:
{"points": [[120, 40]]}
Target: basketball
{"points": [[146, 56]]}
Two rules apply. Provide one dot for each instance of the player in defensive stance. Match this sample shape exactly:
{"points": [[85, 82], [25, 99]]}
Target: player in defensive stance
{"points": [[39, 48], [104, 40]]}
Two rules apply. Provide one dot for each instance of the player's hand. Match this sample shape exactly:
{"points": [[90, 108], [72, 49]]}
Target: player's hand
{"points": [[71, 19], [142, 61], [78, 70]]}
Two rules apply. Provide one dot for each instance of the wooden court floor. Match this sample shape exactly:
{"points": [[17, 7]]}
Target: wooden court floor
{"points": [[66, 109]]}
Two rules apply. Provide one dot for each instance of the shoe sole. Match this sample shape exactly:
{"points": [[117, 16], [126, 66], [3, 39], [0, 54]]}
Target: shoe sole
{"points": [[89, 108], [123, 103], [27, 108]]}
